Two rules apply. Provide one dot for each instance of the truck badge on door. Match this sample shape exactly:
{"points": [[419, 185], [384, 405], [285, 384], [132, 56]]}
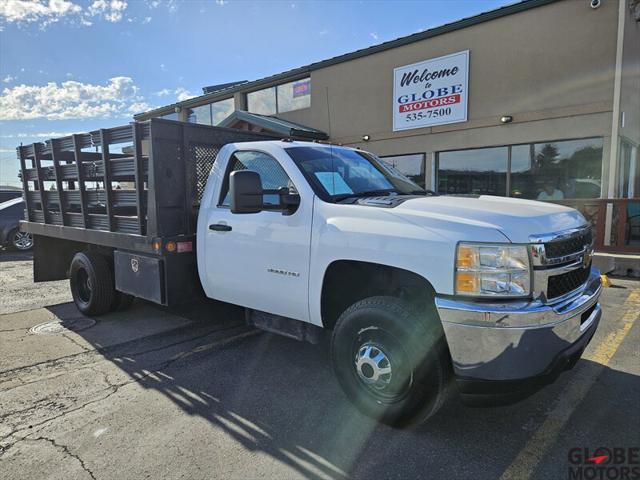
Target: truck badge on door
{"points": [[134, 265], [286, 273]]}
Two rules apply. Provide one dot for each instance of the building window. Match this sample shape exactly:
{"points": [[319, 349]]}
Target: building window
{"points": [[411, 166], [543, 171], [557, 170], [282, 98], [221, 110], [262, 102], [211, 113], [294, 95], [481, 171], [201, 114]]}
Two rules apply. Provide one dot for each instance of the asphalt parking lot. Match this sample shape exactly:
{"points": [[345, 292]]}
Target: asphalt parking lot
{"points": [[194, 393]]}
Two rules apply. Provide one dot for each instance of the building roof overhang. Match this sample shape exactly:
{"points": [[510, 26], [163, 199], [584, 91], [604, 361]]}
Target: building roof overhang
{"points": [[276, 125]]}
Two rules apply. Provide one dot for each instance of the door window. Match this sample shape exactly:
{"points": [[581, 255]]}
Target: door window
{"points": [[271, 173]]}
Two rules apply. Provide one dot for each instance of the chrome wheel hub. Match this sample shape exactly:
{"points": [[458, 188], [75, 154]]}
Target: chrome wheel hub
{"points": [[373, 366], [22, 241]]}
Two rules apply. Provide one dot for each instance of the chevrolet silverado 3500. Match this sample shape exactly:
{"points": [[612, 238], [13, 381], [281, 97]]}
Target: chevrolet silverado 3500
{"points": [[493, 296]]}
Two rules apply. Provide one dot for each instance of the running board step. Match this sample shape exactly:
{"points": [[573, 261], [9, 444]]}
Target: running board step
{"points": [[288, 327]]}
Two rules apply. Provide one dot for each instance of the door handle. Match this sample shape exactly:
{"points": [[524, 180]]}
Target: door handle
{"points": [[220, 227]]}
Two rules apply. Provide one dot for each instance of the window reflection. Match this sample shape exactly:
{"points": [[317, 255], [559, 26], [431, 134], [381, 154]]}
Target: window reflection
{"points": [[282, 98], [262, 102], [294, 95], [411, 166], [557, 170], [481, 171], [201, 114], [211, 113], [541, 171], [221, 110]]}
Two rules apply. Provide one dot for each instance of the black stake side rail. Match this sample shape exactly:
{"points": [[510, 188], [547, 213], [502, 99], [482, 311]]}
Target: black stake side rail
{"points": [[76, 188]]}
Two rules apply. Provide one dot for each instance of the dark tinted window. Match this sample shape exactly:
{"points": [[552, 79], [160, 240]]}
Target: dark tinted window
{"points": [[481, 171]]}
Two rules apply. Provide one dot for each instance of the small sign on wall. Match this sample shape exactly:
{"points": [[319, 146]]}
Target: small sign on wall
{"points": [[433, 92]]}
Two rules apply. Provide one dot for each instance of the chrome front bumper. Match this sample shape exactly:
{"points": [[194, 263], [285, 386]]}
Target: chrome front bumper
{"points": [[516, 340]]}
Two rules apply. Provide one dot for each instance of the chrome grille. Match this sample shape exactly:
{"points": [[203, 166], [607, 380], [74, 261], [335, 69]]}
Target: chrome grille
{"points": [[559, 285], [568, 246], [561, 262]]}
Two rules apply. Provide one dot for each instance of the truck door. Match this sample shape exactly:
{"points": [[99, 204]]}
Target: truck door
{"points": [[259, 260]]}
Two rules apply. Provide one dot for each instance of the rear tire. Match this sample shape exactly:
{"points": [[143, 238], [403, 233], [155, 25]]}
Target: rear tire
{"points": [[92, 283], [391, 360]]}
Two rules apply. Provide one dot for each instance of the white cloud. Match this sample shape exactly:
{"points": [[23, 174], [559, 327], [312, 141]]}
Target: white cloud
{"points": [[9, 79], [374, 35], [139, 107], [37, 10], [69, 100], [110, 10], [146, 20], [221, 2], [38, 135], [183, 94], [46, 12]]}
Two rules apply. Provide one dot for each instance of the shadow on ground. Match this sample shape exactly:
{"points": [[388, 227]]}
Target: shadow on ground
{"points": [[278, 397], [8, 255]]}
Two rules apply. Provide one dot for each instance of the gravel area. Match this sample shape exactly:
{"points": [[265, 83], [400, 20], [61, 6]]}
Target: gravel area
{"points": [[17, 290]]}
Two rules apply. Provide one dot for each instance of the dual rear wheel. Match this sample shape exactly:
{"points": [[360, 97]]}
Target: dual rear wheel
{"points": [[93, 285]]}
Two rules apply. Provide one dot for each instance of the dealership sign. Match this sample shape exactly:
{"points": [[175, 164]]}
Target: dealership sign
{"points": [[433, 92]]}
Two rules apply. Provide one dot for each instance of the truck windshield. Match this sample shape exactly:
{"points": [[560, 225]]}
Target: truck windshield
{"points": [[339, 173]]}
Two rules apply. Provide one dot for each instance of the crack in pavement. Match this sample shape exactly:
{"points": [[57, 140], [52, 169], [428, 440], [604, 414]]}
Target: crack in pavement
{"points": [[114, 388], [66, 450]]}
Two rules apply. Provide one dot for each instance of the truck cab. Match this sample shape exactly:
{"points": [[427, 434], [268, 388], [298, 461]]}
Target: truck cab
{"points": [[504, 287]]}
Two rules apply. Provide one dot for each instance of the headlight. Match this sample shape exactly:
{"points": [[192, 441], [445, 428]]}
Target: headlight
{"points": [[492, 270]]}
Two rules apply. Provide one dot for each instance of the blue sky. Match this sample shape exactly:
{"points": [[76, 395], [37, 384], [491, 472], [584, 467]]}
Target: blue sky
{"points": [[69, 66]]}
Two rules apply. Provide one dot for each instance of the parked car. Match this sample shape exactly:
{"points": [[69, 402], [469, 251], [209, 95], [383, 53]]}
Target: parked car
{"points": [[420, 292], [11, 212], [7, 193]]}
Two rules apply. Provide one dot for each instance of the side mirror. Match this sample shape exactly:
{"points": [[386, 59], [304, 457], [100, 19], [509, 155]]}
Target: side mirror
{"points": [[245, 190], [289, 202]]}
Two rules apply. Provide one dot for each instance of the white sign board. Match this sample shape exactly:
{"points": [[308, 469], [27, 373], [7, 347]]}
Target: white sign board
{"points": [[433, 92]]}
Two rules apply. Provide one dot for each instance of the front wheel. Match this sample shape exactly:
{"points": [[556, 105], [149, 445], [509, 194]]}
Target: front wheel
{"points": [[391, 360], [21, 241]]}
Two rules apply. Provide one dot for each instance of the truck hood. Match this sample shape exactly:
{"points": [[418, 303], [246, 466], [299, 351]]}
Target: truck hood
{"points": [[516, 219]]}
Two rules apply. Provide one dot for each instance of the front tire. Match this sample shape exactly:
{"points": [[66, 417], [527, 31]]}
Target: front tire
{"points": [[92, 283], [391, 360]]}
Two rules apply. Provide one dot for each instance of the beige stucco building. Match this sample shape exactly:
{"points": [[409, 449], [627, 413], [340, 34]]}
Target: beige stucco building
{"points": [[543, 102]]}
